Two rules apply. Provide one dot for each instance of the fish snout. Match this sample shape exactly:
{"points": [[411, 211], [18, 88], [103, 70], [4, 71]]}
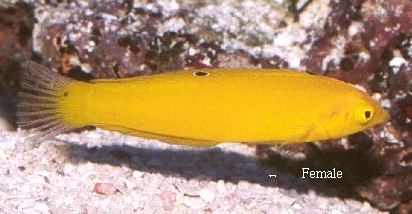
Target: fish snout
{"points": [[384, 116]]}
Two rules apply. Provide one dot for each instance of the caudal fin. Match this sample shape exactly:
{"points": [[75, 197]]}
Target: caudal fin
{"points": [[38, 110]]}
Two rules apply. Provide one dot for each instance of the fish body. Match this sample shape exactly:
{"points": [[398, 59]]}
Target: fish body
{"points": [[203, 107]]}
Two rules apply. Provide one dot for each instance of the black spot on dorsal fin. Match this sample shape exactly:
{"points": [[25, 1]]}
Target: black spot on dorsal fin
{"points": [[201, 73], [311, 73]]}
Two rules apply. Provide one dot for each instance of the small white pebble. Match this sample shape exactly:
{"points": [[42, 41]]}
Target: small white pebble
{"points": [[42, 207], [68, 200], [187, 201], [284, 199], [138, 174], [283, 40], [297, 206], [220, 187], [335, 212], [397, 62], [286, 212], [386, 103], [243, 185], [206, 195], [355, 28]]}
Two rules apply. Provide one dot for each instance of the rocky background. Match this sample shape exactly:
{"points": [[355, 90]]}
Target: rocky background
{"points": [[363, 42]]}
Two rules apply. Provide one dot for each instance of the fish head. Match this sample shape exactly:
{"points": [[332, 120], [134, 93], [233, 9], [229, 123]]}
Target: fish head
{"points": [[364, 113], [354, 112]]}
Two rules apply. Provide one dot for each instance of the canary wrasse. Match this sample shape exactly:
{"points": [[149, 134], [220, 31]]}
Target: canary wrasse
{"points": [[198, 107]]}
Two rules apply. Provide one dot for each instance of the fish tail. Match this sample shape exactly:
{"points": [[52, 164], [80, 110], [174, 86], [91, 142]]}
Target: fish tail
{"points": [[38, 109]]}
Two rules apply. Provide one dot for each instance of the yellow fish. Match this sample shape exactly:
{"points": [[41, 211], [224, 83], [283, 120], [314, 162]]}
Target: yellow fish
{"points": [[199, 107]]}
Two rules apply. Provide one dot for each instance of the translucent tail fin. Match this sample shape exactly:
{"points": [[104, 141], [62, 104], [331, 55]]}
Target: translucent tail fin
{"points": [[38, 110]]}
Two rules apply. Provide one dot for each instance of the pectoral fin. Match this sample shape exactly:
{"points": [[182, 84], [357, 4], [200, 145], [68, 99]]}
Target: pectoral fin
{"points": [[314, 132]]}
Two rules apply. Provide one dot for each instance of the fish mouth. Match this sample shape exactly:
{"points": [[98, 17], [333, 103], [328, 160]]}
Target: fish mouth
{"points": [[384, 114]]}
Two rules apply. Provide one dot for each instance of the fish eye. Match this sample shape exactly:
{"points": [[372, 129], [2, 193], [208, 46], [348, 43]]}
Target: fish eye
{"points": [[367, 114], [364, 115]]}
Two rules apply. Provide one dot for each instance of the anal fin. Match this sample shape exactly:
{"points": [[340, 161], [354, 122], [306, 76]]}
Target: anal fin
{"points": [[160, 137]]}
